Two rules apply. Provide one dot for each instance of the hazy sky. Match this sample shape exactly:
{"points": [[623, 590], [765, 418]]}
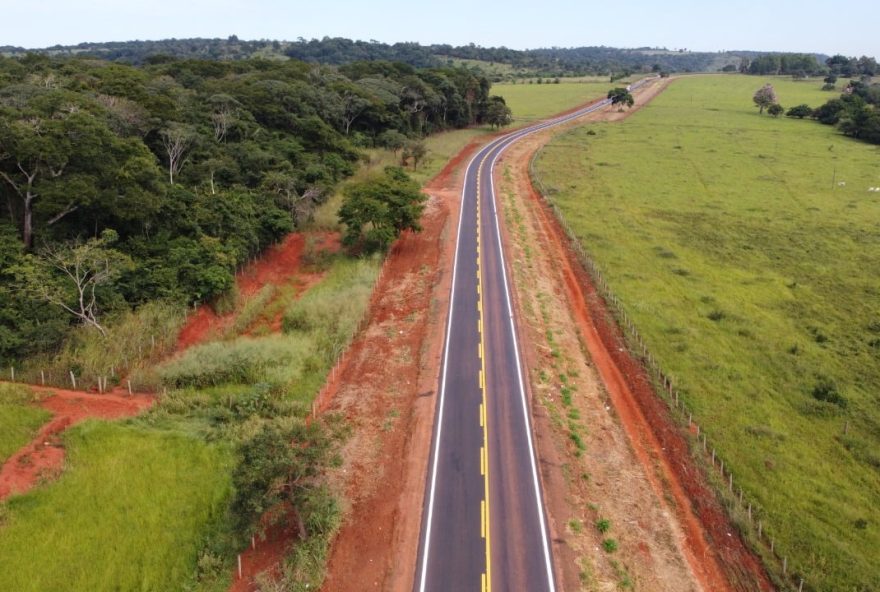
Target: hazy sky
{"points": [[850, 27]]}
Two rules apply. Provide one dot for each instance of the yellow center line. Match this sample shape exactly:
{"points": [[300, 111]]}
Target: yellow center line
{"points": [[486, 579]]}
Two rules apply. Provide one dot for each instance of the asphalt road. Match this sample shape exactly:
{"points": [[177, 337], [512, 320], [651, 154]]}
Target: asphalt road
{"points": [[483, 524]]}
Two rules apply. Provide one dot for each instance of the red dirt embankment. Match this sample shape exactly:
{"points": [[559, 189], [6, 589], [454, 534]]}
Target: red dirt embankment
{"points": [[43, 458], [280, 265]]}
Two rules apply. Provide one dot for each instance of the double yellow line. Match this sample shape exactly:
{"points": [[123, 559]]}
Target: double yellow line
{"points": [[485, 531]]}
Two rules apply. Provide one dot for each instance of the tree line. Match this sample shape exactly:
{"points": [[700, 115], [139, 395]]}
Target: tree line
{"points": [[546, 62], [175, 172], [856, 113], [802, 65]]}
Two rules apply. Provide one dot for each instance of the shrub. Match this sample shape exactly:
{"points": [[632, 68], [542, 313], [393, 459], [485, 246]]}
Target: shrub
{"points": [[603, 525], [826, 390], [610, 545], [716, 315], [775, 109], [800, 111]]}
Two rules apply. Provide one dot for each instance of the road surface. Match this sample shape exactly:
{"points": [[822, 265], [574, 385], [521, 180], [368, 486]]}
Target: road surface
{"points": [[483, 524]]}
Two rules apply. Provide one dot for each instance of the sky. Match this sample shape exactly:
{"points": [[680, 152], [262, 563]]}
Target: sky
{"points": [[846, 26]]}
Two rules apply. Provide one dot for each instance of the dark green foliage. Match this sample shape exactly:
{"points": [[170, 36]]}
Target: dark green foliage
{"points": [[856, 112], [800, 111], [196, 165], [280, 463], [775, 110], [375, 211], [498, 113], [621, 96], [799, 65]]}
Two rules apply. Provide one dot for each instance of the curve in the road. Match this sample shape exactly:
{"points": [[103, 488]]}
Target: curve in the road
{"points": [[479, 533]]}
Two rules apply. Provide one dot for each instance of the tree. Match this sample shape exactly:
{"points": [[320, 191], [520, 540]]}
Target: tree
{"points": [[72, 275], [177, 140], [223, 114], [279, 463], [831, 79], [621, 96], [800, 111], [392, 140], [776, 110], [377, 210], [415, 151], [764, 97], [498, 113]]}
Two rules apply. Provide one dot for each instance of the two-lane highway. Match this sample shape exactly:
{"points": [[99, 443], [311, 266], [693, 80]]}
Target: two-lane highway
{"points": [[483, 523]]}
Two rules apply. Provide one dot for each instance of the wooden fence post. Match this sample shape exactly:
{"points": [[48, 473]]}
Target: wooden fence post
{"points": [[73, 379]]}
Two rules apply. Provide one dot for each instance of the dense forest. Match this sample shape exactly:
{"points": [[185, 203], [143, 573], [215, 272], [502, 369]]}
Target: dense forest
{"points": [[121, 184], [554, 61]]}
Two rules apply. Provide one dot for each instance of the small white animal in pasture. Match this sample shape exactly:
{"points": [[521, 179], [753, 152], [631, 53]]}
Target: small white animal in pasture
{"points": [[841, 183]]}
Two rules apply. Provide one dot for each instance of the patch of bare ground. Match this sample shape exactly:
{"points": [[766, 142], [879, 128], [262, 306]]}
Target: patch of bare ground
{"points": [[43, 458], [387, 390], [607, 450]]}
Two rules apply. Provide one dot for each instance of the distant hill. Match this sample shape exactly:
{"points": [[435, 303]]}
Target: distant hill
{"points": [[554, 61]]}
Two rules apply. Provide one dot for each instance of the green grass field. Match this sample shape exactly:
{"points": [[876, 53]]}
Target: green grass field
{"points": [[529, 102], [751, 271], [19, 421], [131, 512]]}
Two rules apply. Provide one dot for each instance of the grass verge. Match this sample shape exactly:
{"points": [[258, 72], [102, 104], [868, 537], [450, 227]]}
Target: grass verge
{"points": [[739, 245]]}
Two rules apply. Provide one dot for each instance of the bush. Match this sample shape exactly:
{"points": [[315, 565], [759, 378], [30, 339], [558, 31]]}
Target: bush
{"points": [[775, 110], [800, 111], [610, 545], [826, 390], [603, 525]]}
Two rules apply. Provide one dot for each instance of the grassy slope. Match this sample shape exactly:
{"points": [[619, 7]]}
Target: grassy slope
{"points": [[19, 422], [698, 208], [130, 513]]}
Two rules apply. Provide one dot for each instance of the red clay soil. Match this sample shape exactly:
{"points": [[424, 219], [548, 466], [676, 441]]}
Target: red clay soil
{"points": [[717, 553], [43, 458], [265, 556], [279, 265]]}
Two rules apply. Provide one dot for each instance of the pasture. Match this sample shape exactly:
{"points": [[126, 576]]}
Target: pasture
{"points": [[19, 421], [131, 512], [746, 250]]}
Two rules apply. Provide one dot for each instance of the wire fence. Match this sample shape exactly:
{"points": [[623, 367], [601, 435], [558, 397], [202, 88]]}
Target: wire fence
{"points": [[749, 517]]}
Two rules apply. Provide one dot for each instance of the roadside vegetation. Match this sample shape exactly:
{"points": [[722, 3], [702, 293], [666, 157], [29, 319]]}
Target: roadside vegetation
{"points": [[740, 245]]}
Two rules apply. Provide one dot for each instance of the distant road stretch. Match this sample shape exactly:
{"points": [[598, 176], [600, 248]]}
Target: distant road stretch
{"points": [[483, 525]]}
